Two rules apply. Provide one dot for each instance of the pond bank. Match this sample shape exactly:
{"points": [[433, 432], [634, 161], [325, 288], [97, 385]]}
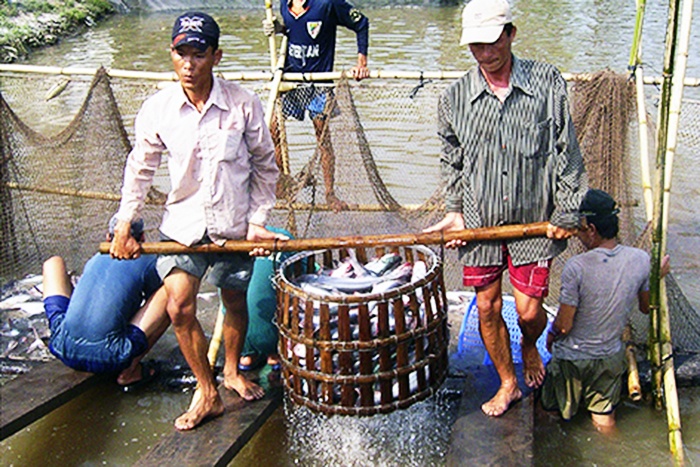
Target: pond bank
{"points": [[29, 25]]}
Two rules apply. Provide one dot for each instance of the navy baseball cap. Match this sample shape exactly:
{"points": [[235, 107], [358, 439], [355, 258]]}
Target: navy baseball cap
{"points": [[597, 204], [196, 29]]}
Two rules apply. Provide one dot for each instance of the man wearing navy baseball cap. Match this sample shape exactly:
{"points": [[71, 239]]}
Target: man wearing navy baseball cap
{"points": [[221, 162]]}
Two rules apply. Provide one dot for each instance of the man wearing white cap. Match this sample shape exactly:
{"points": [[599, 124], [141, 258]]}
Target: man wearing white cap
{"points": [[509, 156]]}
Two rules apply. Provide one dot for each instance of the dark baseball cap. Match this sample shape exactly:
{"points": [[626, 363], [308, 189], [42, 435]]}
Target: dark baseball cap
{"points": [[196, 29], [597, 203]]}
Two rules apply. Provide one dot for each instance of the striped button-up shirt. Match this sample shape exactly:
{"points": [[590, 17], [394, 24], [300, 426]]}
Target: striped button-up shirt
{"points": [[221, 163], [512, 162]]}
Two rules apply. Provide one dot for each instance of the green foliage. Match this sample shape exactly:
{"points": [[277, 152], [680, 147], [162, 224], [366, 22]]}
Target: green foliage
{"points": [[33, 23]]}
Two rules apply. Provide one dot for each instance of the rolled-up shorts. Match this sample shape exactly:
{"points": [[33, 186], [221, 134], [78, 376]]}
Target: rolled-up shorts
{"points": [[532, 279], [226, 270], [594, 383], [112, 353], [318, 101]]}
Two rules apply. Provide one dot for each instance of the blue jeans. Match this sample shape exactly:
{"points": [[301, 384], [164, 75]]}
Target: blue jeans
{"points": [[91, 330]]}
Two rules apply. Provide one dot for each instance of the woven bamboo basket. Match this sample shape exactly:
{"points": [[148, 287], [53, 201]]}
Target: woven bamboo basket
{"points": [[362, 354]]}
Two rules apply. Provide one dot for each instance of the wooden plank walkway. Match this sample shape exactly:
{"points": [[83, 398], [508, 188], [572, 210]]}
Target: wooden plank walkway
{"points": [[477, 439], [32, 395], [217, 441]]}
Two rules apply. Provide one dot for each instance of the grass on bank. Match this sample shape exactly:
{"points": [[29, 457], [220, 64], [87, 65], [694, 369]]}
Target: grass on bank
{"points": [[30, 24]]}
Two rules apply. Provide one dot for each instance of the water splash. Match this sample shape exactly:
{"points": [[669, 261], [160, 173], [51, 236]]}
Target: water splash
{"points": [[416, 436]]}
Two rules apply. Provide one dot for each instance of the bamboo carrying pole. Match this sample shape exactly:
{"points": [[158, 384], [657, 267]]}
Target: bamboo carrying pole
{"points": [[503, 232], [484, 233]]}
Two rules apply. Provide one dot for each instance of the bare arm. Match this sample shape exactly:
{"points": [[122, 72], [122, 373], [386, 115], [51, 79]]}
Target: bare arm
{"points": [[562, 324]]}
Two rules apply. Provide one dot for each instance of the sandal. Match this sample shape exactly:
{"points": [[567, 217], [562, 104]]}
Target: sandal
{"points": [[274, 362], [149, 371], [257, 362]]}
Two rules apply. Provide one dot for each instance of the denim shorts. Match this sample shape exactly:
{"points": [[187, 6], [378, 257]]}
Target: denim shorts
{"points": [[319, 101], [90, 331], [226, 270]]}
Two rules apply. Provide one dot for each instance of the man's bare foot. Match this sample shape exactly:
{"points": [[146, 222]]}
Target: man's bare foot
{"points": [[533, 369], [335, 203], [245, 388], [200, 409], [499, 404], [137, 375], [130, 375]]}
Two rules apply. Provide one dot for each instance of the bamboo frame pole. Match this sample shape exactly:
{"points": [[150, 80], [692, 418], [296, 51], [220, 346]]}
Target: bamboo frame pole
{"points": [[267, 76], [669, 112], [669, 378], [502, 232], [635, 66], [271, 39], [657, 223]]}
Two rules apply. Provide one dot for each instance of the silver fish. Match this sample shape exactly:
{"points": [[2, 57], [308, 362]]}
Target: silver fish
{"points": [[386, 263], [57, 89]]}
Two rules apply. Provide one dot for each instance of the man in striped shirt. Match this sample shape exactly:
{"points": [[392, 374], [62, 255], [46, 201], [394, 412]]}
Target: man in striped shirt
{"points": [[509, 156]]}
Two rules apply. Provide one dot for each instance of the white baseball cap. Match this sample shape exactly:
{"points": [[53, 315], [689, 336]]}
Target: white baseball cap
{"points": [[483, 21]]}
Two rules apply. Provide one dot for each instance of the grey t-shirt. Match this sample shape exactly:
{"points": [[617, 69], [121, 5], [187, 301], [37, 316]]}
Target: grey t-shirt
{"points": [[603, 285]]}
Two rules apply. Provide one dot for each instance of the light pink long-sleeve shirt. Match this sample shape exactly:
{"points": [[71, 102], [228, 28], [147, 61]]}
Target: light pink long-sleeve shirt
{"points": [[221, 163]]}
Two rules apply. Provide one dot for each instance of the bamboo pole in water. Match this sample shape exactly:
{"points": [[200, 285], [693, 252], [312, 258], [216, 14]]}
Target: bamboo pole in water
{"points": [[502, 232], [669, 113]]}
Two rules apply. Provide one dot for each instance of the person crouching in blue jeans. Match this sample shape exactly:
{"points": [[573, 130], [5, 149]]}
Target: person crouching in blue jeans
{"points": [[112, 318]]}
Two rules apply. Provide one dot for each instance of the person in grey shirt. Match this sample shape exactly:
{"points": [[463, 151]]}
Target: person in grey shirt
{"points": [[509, 156], [598, 291]]}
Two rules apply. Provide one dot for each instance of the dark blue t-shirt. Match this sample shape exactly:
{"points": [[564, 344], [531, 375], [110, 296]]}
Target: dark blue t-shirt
{"points": [[312, 34]]}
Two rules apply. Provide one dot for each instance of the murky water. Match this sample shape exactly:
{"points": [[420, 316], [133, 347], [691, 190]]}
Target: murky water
{"points": [[575, 35]]}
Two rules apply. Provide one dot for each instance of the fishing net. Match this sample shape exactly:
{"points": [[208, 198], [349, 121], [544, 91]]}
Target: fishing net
{"points": [[58, 192]]}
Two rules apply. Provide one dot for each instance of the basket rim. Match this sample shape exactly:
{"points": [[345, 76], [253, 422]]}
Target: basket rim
{"points": [[284, 284]]}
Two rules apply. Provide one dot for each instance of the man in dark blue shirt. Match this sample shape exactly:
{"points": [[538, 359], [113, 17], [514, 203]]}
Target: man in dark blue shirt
{"points": [[311, 27]]}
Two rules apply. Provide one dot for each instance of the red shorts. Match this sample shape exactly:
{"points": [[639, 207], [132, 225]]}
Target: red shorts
{"points": [[532, 279]]}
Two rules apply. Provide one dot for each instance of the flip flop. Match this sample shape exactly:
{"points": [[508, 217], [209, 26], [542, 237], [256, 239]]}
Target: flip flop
{"points": [[277, 366], [258, 362], [149, 371]]}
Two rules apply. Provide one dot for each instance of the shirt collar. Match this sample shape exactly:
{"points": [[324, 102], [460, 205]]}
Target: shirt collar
{"points": [[289, 3], [518, 79], [216, 97]]}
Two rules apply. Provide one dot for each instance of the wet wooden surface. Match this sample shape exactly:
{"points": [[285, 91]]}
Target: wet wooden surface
{"points": [[29, 397], [477, 439], [217, 441]]}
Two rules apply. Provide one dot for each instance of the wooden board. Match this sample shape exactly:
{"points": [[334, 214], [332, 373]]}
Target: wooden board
{"points": [[217, 441], [477, 439], [32, 395]]}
